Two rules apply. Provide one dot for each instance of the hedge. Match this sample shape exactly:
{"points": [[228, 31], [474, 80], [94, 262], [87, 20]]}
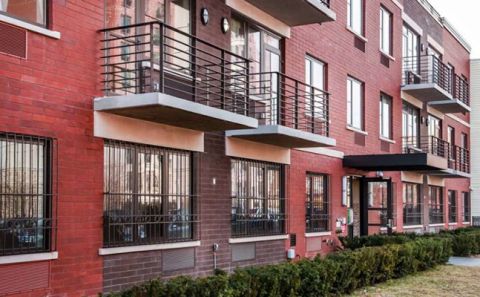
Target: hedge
{"points": [[337, 274], [465, 241]]}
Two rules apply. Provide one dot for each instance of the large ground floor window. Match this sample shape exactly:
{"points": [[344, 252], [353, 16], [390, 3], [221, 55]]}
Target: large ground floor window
{"points": [[317, 214], [466, 207], [452, 206], [26, 194], [258, 204], [148, 195], [436, 205], [412, 205]]}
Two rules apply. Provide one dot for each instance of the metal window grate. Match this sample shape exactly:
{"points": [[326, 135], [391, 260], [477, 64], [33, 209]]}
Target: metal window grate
{"points": [[317, 203], [436, 205], [258, 206], [412, 205], [452, 206], [28, 190], [148, 195], [466, 207]]}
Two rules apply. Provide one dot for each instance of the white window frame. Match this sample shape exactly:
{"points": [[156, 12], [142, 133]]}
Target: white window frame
{"points": [[355, 112], [385, 30], [386, 116], [355, 16], [318, 84]]}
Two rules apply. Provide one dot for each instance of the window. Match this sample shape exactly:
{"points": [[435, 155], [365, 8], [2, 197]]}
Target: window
{"points": [[315, 79], [385, 31], [32, 11], [262, 48], [317, 204], [148, 195], [355, 16], [410, 45], [436, 205], [355, 103], [410, 126], [464, 140], [452, 206], [412, 205], [451, 142], [410, 51], [27, 194], [385, 116], [258, 206], [434, 127], [466, 206]]}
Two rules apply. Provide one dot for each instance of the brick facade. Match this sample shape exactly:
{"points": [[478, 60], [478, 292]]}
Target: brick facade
{"points": [[51, 94]]}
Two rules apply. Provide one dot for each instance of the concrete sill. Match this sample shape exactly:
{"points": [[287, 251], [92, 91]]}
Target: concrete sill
{"points": [[413, 227], [357, 130], [356, 34], [390, 57], [29, 27], [257, 239], [387, 140], [145, 248], [452, 224], [28, 258], [318, 234], [437, 225]]}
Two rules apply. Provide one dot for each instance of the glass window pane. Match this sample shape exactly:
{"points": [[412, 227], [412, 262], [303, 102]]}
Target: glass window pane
{"points": [[33, 11]]}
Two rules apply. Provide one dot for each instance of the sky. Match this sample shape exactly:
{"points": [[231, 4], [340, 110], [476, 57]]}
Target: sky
{"points": [[465, 18]]}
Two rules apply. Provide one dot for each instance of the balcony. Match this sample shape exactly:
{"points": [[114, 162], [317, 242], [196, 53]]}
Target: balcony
{"points": [[429, 155], [297, 12], [461, 98], [290, 113], [429, 80], [157, 73]]}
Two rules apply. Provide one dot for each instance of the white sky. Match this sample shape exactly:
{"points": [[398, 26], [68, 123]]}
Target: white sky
{"points": [[464, 15]]}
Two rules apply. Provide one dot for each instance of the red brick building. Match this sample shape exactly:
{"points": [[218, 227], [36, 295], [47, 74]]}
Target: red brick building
{"points": [[143, 139]]}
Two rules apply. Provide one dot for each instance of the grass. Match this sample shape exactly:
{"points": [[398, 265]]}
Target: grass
{"points": [[445, 280]]}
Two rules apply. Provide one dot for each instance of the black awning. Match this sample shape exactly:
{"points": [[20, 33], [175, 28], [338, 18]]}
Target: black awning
{"points": [[396, 162]]}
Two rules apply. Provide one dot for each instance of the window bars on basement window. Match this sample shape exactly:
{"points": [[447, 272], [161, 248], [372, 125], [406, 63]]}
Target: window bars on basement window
{"points": [[149, 196], [28, 194], [317, 203], [258, 203]]}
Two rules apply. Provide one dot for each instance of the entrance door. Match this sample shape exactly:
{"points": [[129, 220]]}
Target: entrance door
{"points": [[376, 205]]}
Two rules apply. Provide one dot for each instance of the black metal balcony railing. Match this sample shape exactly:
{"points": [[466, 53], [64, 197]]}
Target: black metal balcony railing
{"points": [[458, 157], [276, 99], [326, 3], [155, 57], [461, 90], [436, 216], [426, 144], [427, 70]]}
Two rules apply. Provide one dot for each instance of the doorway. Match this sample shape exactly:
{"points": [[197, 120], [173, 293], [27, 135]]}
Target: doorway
{"points": [[376, 205]]}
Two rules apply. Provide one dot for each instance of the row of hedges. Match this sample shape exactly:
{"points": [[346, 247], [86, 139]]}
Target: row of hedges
{"points": [[337, 274], [465, 241]]}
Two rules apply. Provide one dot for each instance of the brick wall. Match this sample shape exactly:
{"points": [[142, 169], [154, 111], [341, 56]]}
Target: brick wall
{"points": [[50, 94]]}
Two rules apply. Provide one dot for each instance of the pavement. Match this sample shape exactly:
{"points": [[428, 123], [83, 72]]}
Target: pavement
{"points": [[464, 261]]}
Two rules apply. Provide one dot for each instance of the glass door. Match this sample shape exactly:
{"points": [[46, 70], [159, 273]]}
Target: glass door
{"points": [[376, 210]]}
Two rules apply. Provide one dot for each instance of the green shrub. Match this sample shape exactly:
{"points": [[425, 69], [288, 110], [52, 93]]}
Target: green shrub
{"points": [[337, 274]]}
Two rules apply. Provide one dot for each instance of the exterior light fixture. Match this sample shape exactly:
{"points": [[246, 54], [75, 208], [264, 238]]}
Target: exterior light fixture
{"points": [[204, 16], [225, 25]]}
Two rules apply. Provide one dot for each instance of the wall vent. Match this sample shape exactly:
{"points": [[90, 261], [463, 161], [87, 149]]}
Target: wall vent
{"points": [[13, 41], [178, 259], [385, 61], [243, 252], [24, 277], [359, 43], [359, 139]]}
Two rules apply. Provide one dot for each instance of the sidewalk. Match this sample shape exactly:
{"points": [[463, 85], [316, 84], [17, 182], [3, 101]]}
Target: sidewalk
{"points": [[464, 261]]}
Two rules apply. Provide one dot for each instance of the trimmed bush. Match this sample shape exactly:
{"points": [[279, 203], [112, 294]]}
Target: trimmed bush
{"points": [[465, 241], [337, 274]]}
